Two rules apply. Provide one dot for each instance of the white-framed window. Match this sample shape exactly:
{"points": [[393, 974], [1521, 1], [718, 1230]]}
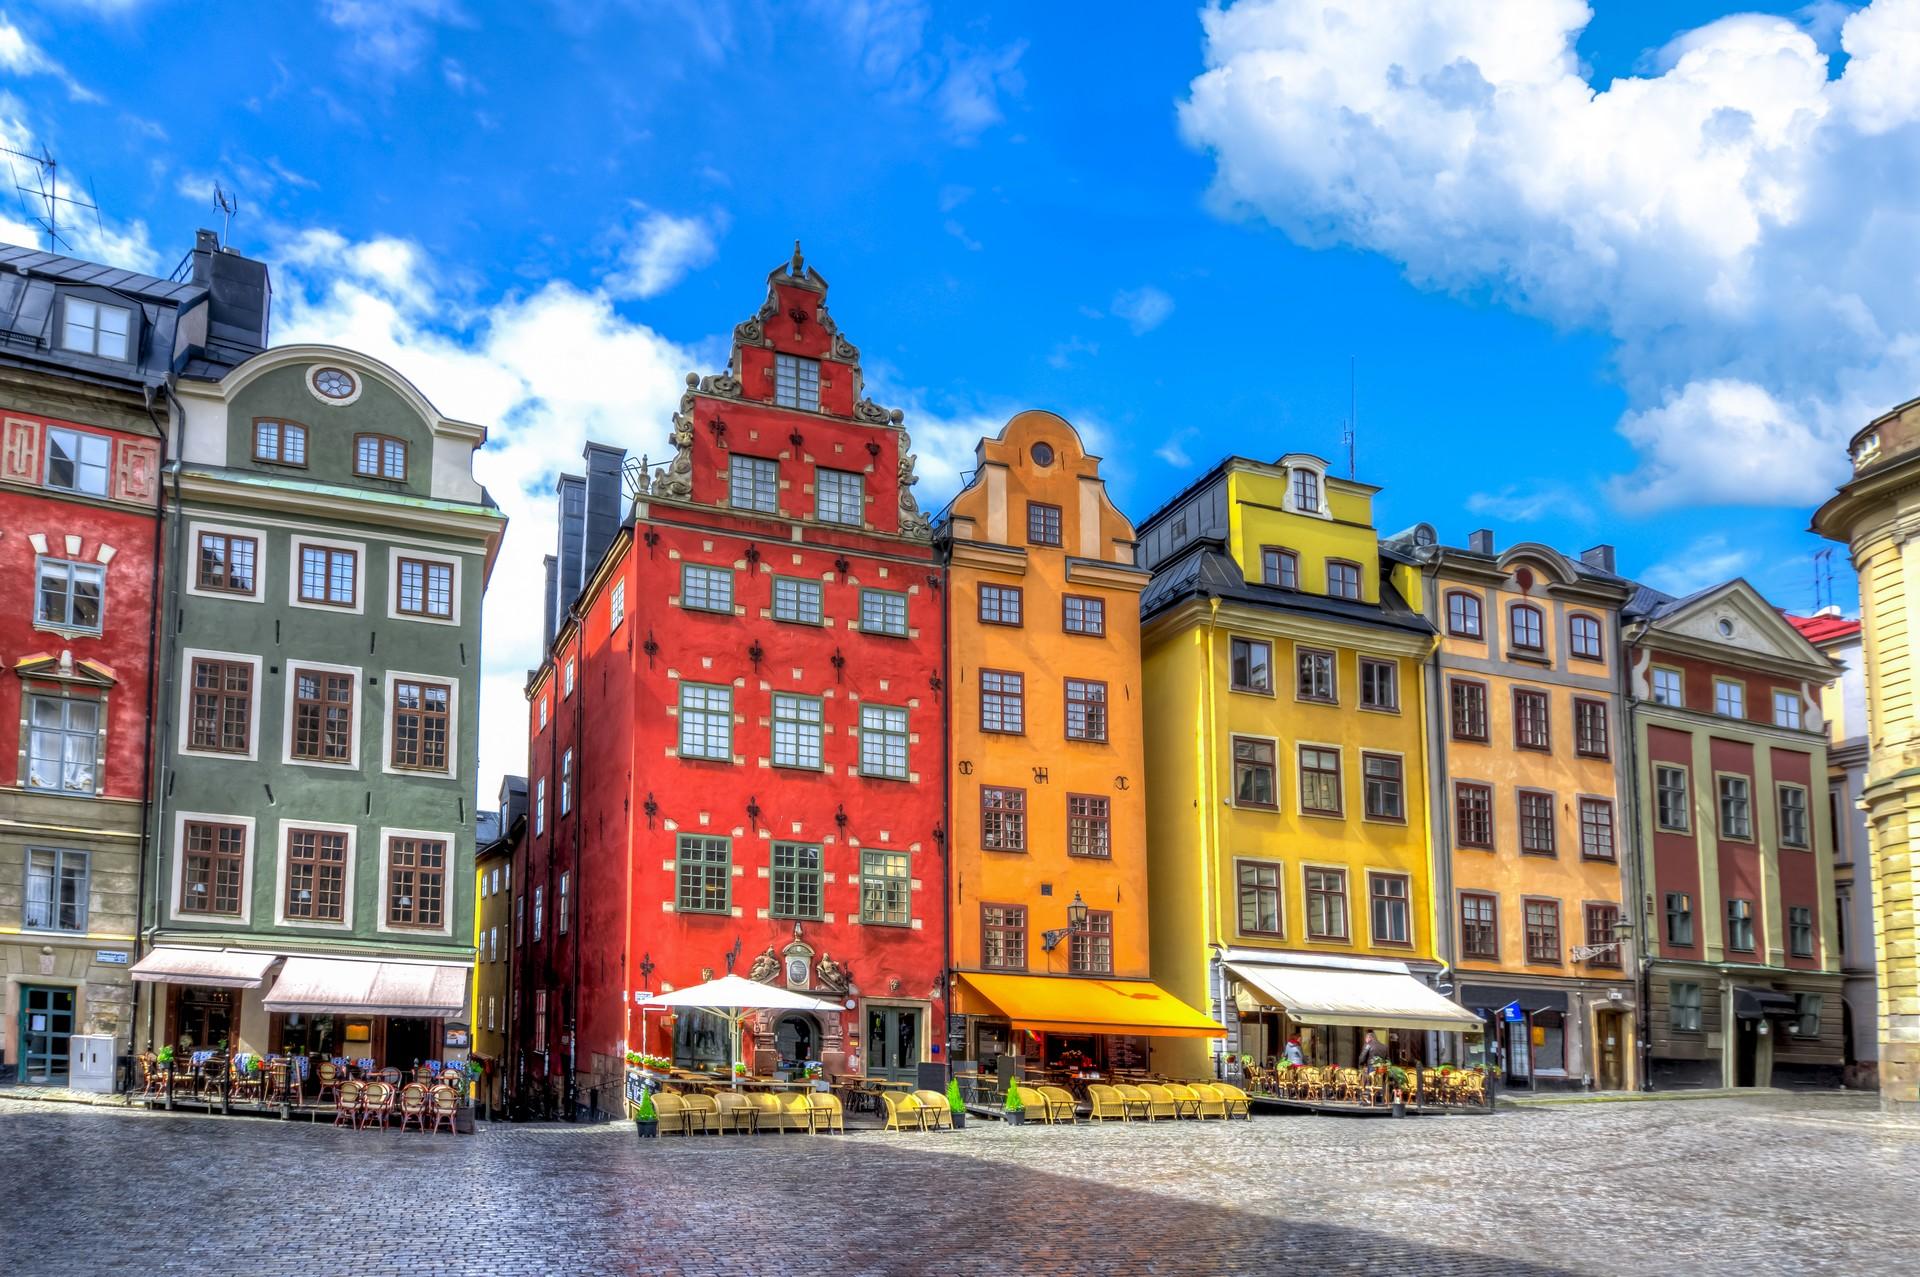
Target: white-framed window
{"points": [[543, 713], [539, 914], [706, 722], [704, 588], [1729, 698], [1343, 579], [316, 875], [228, 562], [426, 587], [1306, 490], [95, 328], [63, 745], [71, 596], [220, 695], [213, 866], [796, 382], [539, 807], [569, 678], [796, 600], [422, 724], [883, 741], [798, 722], [560, 904], [379, 457], [78, 461], [1787, 710], [281, 443], [1667, 688], [839, 496], [883, 612], [58, 888], [753, 483], [327, 575], [618, 605], [566, 780], [322, 714]]}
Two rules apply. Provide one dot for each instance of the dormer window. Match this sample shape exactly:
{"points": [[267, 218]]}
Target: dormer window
{"points": [[281, 443], [94, 328], [77, 462], [379, 457], [1343, 579], [796, 382], [1306, 490]]}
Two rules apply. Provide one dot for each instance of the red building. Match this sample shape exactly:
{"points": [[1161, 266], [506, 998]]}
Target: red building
{"points": [[738, 739]]}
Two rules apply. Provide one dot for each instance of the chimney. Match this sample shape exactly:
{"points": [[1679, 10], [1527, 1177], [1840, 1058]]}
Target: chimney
{"points": [[1599, 556], [604, 474], [1480, 541], [573, 542], [553, 597], [239, 295]]}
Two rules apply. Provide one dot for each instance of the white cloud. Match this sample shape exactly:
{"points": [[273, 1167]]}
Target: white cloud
{"points": [[391, 35], [1705, 561], [975, 81], [1516, 504], [1144, 308], [1738, 221], [126, 245], [658, 250], [965, 83], [1173, 449], [1062, 354], [23, 57]]}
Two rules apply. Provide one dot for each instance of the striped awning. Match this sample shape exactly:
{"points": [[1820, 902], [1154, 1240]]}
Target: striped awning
{"points": [[212, 968], [346, 986]]}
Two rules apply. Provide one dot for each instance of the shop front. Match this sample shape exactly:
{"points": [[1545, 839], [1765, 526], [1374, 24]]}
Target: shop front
{"points": [[197, 994], [1331, 1004], [1072, 1029], [397, 1014], [1576, 1035]]}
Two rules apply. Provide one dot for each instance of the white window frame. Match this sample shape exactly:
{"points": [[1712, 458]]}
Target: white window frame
{"points": [[540, 807], [399, 552], [287, 667], [81, 439], [301, 541], [680, 725], [617, 605], [74, 567], [283, 864], [257, 535], [799, 587], [799, 365], [127, 336], [1737, 699], [1654, 689], [799, 727], [388, 679], [449, 878], [99, 736], [567, 679], [176, 867], [1788, 711], [188, 656], [566, 781], [905, 732]]}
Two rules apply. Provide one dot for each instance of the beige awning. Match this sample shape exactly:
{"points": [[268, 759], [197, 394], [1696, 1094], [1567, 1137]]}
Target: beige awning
{"points": [[346, 986], [1364, 995], [211, 968]]}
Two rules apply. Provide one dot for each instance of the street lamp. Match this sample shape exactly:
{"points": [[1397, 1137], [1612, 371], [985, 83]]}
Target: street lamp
{"points": [[1076, 925]]}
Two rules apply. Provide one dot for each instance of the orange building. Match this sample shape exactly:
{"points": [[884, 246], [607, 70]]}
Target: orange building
{"points": [[1048, 857]]}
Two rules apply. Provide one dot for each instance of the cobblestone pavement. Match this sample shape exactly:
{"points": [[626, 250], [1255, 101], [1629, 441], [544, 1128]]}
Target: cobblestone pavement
{"points": [[1768, 1184]]}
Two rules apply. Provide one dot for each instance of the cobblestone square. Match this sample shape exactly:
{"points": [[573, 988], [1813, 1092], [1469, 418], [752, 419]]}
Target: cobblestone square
{"points": [[1768, 1184]]}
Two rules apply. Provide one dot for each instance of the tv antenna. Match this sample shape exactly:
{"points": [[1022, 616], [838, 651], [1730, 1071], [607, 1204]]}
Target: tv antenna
{"points": [[43, 186], [228, 206], [1822, 578], [1349, 433]]}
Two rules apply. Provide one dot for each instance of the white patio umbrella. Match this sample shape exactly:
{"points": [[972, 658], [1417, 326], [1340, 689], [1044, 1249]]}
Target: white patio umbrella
{"points": [[731, 997]]}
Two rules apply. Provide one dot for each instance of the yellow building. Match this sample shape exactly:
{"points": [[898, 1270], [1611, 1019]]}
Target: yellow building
{"points": [[498, 836], [1287, 767], [1048, 845]]}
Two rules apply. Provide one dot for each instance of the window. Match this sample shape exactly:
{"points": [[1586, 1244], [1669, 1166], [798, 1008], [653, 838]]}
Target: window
{"points": [[212, 868], [796, 382], [1259, 898], [416, 882], [1392, 916], [322, 716], [63, 745], [1327, 904], [539, 1015], [1590, 728], [226, 562], [1536, 823], [1524, 630], [56, 890], [1531, 726], [1081, 615], [560, 905], [94, 328], [1086, 710], [1479, 925], [837, 497], [796, 600], [1786, 709], [567, 680], [1806, 1015], [1253, 773], [703, 874], [1671, 808], [1043, 523], [883, 742], [1680, 919], [1740, 926], [1003, 700], [1090, 952], [1315, 679], [539, 911], [617, 607], [1280, 567], [1003, 937], [543, 713], [425, 589], [706, 589], [283, 443], [1729, 698], [883, 612], [539, 809], [316, 875], [1379, 684], [706, 722], [70, 595], [566, 781], [1602, 922], [327, 575], [1596, 829], [798, 723], [1306, 490], [1384, 787], [520, 920], [1468, 702], [1667, 688], [1473, 815], [1343, 579], [1583, 637], [1003, 818], [1252, 665], [1793, 817], [1463, 614], [885, 889], [1320, 781], [78, 462], [1683, 1006], [422, 712], [1089, 826], [221, 706], [379, 457], [797, 881], [1800, 931], [753, 483], [1736, 808], [999, 605], [1543, 931]]}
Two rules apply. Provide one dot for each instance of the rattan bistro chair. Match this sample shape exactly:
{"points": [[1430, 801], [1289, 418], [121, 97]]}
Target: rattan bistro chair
{"points": [[446, 1108], [828, 1115], [346, 1103], [413, 1106], [1104, 1103], [934, 1110]]}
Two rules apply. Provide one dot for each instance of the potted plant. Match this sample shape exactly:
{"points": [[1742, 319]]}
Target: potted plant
{"points": [[1016, 1108], [1397, 1085], [740, 1070], [646, 1118], [955, 1105], [814, 1073]]}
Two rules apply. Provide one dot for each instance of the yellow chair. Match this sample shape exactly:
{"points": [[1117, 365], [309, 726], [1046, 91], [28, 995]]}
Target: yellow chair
{"points": [[1186, 1102], [903, 1112], [1061, 1106], [795, 1113], [938, 1115], [1161, 1102], [735, 1112], [673, 1113], [766, 1110], [1139, 1103], [1038, 1109], [1209, 1101], [825, 1113], [1238, 1103], [1105, 1103], [704, 1111]]}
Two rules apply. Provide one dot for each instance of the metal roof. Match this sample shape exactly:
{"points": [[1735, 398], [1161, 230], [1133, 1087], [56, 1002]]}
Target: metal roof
{"points": [[72, 270], [1203, 569]]}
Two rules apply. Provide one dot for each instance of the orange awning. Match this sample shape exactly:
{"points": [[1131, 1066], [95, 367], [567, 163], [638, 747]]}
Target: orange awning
{"points": [[1086, 1004]]}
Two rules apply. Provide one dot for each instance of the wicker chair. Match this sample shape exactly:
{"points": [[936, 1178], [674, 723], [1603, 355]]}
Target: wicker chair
{"points": [[1237, 1101], [413, 1106], [827, 1113], [376, 1105], [1061, 1106], [1105, 1103], [1139, 1103], [346, 1103], [1186, 1101], [708, 1110], [1208, 1101], [672, 1112], [767, 1115], [735, 1112], [903, 1112], [328, 1075], [1161, 1101], [446, 1108], [934, 1112]]}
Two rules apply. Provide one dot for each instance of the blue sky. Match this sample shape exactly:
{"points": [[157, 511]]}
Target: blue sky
{"points": [[1630, 275]]}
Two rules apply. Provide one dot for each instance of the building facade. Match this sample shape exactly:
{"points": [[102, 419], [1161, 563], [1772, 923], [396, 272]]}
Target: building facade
{"points": [[497, 837]]}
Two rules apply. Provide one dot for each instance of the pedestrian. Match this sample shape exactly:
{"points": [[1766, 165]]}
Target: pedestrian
{"points": [[1295, 1055], [1371, 1052]]}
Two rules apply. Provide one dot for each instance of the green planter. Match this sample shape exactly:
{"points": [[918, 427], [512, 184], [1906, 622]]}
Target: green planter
{"points": [[646, 1130]]}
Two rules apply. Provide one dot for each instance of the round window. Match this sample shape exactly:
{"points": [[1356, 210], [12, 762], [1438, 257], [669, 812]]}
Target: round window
{"points": [[333, 383], [1725, 627], [1042, 454]]}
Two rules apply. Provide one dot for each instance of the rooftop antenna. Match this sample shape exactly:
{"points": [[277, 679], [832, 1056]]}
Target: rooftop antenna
{"points": [[43, 185], [1350, 432], [228, 206], [1822, 579]]}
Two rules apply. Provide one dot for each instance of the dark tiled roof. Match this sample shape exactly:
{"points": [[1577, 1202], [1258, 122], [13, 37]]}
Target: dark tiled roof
{"points": [[1205, 570], [486, 827], [71, 270]]}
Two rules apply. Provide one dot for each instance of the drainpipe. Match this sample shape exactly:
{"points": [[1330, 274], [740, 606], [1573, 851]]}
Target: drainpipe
{"points": [[576, 913], [1210, 827], [1637, 875], [1435, 739], [951, 959], [166, 680], [158, 607]]}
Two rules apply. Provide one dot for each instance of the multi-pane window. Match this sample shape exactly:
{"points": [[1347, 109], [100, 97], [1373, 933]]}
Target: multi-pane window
{"points": [[1253, 773], [885, 889], [560, 905], [566, 780], [796, 600], [1320, 781], [1473, 815], [1590, 728], [703, 874], [1385, 787], [1081, 615], [221, 706], [1683, 1006], [1543, 931], [1000, 605], [1467, 703], [1596, 829], [1531, 725], [1463, 614], [63, 744], [1680, 919], [1043, 523], [77, 461], [1536, 823], [1259, 898], [1602, 923], [316, 875], [283, 443], [1086, 710], [327, 575], [1003, 818], [1003, 702], [1479, 925], [539, 911], [753, 483], [1524, 630], [1314, 676], [1667, 688], [95, 328], [705, 588], [1306, 490], [1793, 816], [1391, 909], [1343, 579], [57, 890], [796, 382], [796, 881], [1729, 698], [798, 723], [416, 882], [1326, 900], [883, 612], [1671, 808], [425, 589], [706, 722], [379, 457], [322, 716], [226, 563], [70, 595], [422, 713], [1740, 925], [1280, 567], [617, 606], [540, 807], [883, 741], [1089, 825], [211, 867], [1806, 1015], [1003, 937], [1583, 636], [1800, 931], [1786, 709], [1252, 665], [1379, 684], [838, 497], [567, 681], [1090, 951], [1736, 807]]}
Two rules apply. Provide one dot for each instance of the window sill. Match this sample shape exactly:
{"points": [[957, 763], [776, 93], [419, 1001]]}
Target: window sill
{"points": [[1471, 740], [1385, 820], [1530, 656], [1540, 855], [1598, 860], [1324, 815], [1250, 691], [49, 792], [1317, 700], [1594, 754], [1272, 807], [1379, 709]]}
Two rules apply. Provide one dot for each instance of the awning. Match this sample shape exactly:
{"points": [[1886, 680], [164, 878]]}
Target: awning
{"points": [[1373, 996], [213, 968], [1083, 1004], [320, 985], [1758, 1004]]}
